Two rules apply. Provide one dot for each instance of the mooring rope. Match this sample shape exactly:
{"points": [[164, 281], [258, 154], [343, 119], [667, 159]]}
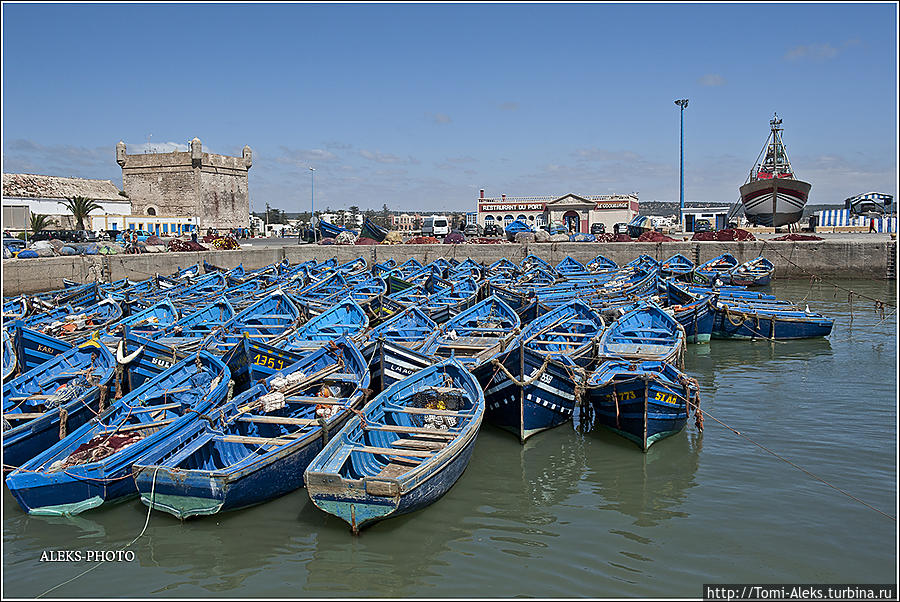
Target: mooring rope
{"points": [[800, 468], [146, 522]]}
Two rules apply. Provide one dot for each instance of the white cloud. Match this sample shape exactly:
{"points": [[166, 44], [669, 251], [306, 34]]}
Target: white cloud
{"points": [[379, 157], [304, 156], [711, 79], [819, 52], [509, 106], [442, 118], [157, 147]]}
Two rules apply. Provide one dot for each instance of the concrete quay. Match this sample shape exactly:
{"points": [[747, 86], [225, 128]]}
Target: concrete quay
{"points": [[839, 259]]}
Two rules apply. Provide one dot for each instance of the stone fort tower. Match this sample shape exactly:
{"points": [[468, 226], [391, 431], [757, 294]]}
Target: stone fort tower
{"points": [[211, 187]]}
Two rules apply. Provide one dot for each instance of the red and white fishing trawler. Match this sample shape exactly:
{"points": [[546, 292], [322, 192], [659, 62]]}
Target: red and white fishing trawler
{"points": [[772, 196]]}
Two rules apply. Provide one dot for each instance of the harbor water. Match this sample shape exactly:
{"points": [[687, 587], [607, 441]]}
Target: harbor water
{"points": [[570, 513]]}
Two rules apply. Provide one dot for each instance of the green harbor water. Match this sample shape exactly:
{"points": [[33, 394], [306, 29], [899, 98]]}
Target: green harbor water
{"points": [[569, 513]]}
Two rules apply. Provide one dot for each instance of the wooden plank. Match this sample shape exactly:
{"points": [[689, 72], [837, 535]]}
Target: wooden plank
{"points": [[252, 440], [409, 429], [278, 420], [167, 406], [316, 400], [138, 427], [419, 444], [388, 451], [22, 415], [427, 411]]}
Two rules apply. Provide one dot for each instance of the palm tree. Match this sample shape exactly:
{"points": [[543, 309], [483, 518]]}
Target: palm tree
{"points": [[40, 221], [81, 207]]}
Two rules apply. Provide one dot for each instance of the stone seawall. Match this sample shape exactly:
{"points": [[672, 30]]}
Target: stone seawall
{"points": [[827, 259]]}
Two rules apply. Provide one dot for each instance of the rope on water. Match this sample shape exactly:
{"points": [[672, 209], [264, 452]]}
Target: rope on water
{"points": [[800, 468], [146, 522]]}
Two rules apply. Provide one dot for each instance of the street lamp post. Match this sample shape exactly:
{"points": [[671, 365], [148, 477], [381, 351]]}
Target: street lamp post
{"points": [[683, 103], [312, 203]]}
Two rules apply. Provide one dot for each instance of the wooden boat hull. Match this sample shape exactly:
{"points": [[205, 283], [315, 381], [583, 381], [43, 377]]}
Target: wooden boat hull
{"points": [[697, 318], [527, 410], [643, 408], [33, 348], [774, 202], [41, 489], [391, 362], [743, 323], [351, 501]]}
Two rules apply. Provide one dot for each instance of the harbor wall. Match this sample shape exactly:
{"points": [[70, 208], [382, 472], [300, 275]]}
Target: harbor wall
{"points": [[826, 259]]}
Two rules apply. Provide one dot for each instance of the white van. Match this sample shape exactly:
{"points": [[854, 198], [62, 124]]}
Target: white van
{"points": [[436, 225]]}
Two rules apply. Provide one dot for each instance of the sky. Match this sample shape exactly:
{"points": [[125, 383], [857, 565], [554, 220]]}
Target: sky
{"points": [[420, 106]]}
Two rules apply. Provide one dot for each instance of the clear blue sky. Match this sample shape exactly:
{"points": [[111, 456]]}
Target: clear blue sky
{"points": [[420, 106]]}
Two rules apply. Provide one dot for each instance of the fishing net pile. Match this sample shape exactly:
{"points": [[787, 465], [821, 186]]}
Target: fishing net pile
{"points": [[454, 238], [423, 240], [326, 241], [345, 238], [225, 243], [610, 237], [99, 447], [486, 241], [178, 245], [365, 240], [724, 235], [393, 238], [437, 398], [654, 236], [799, 237]]}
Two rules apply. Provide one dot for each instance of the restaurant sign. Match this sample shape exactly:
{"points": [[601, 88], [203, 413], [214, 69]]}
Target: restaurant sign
{"points": [[612, 205], [511, 207]]}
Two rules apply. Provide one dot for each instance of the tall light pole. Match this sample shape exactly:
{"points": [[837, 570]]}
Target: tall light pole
{"points": [[312, 203], [683, 103]]}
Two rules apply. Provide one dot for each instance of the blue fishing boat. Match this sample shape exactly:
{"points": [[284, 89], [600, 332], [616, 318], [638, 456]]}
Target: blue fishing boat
{"points": [[188, 333], [78, 325], [409, 328], [411, 444], [15, 309], [259, 445], [141, 359], [530, 387], [92, 465], [391, 361], [735, 320], [503, 267], [756, 272], [345, 319], [33, 348], [476, 334], [570, 267], [715, 269], [642, 401], [678, 266], [372, 230], [156, 318], [43, 404], [515, 228], [601, 264], [251, 361], [10, 363], [644, 333], [267, 319], [696, 317]]}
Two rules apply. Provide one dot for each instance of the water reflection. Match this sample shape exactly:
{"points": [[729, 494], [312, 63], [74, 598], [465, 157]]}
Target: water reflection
{"points": [[650, 487]]}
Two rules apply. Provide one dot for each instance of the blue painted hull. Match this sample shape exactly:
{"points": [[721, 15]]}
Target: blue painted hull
{"points": [[765, 325], [643, 411]]}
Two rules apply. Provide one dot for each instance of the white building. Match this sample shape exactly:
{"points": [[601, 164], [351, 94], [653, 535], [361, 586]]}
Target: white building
{"points": [[577, 213], [717, 216]]}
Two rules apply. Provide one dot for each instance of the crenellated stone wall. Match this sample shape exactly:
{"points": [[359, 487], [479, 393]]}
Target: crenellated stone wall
{"points": [[214, 188]]}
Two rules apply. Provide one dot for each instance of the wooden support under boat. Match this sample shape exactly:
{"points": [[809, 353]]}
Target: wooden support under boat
{"points": [[427, 411], [409, 429], [278, 420]]}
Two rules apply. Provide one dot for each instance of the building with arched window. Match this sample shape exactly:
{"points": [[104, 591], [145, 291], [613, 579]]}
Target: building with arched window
{"points": [[577, 213]]}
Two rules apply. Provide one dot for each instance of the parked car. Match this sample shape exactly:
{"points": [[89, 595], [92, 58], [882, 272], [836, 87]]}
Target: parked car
{"points": [[14, 244], [620, 228], [492, 230], [599, 228], [86, 236], [472, 230], [702, 225], [142, 235]]}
